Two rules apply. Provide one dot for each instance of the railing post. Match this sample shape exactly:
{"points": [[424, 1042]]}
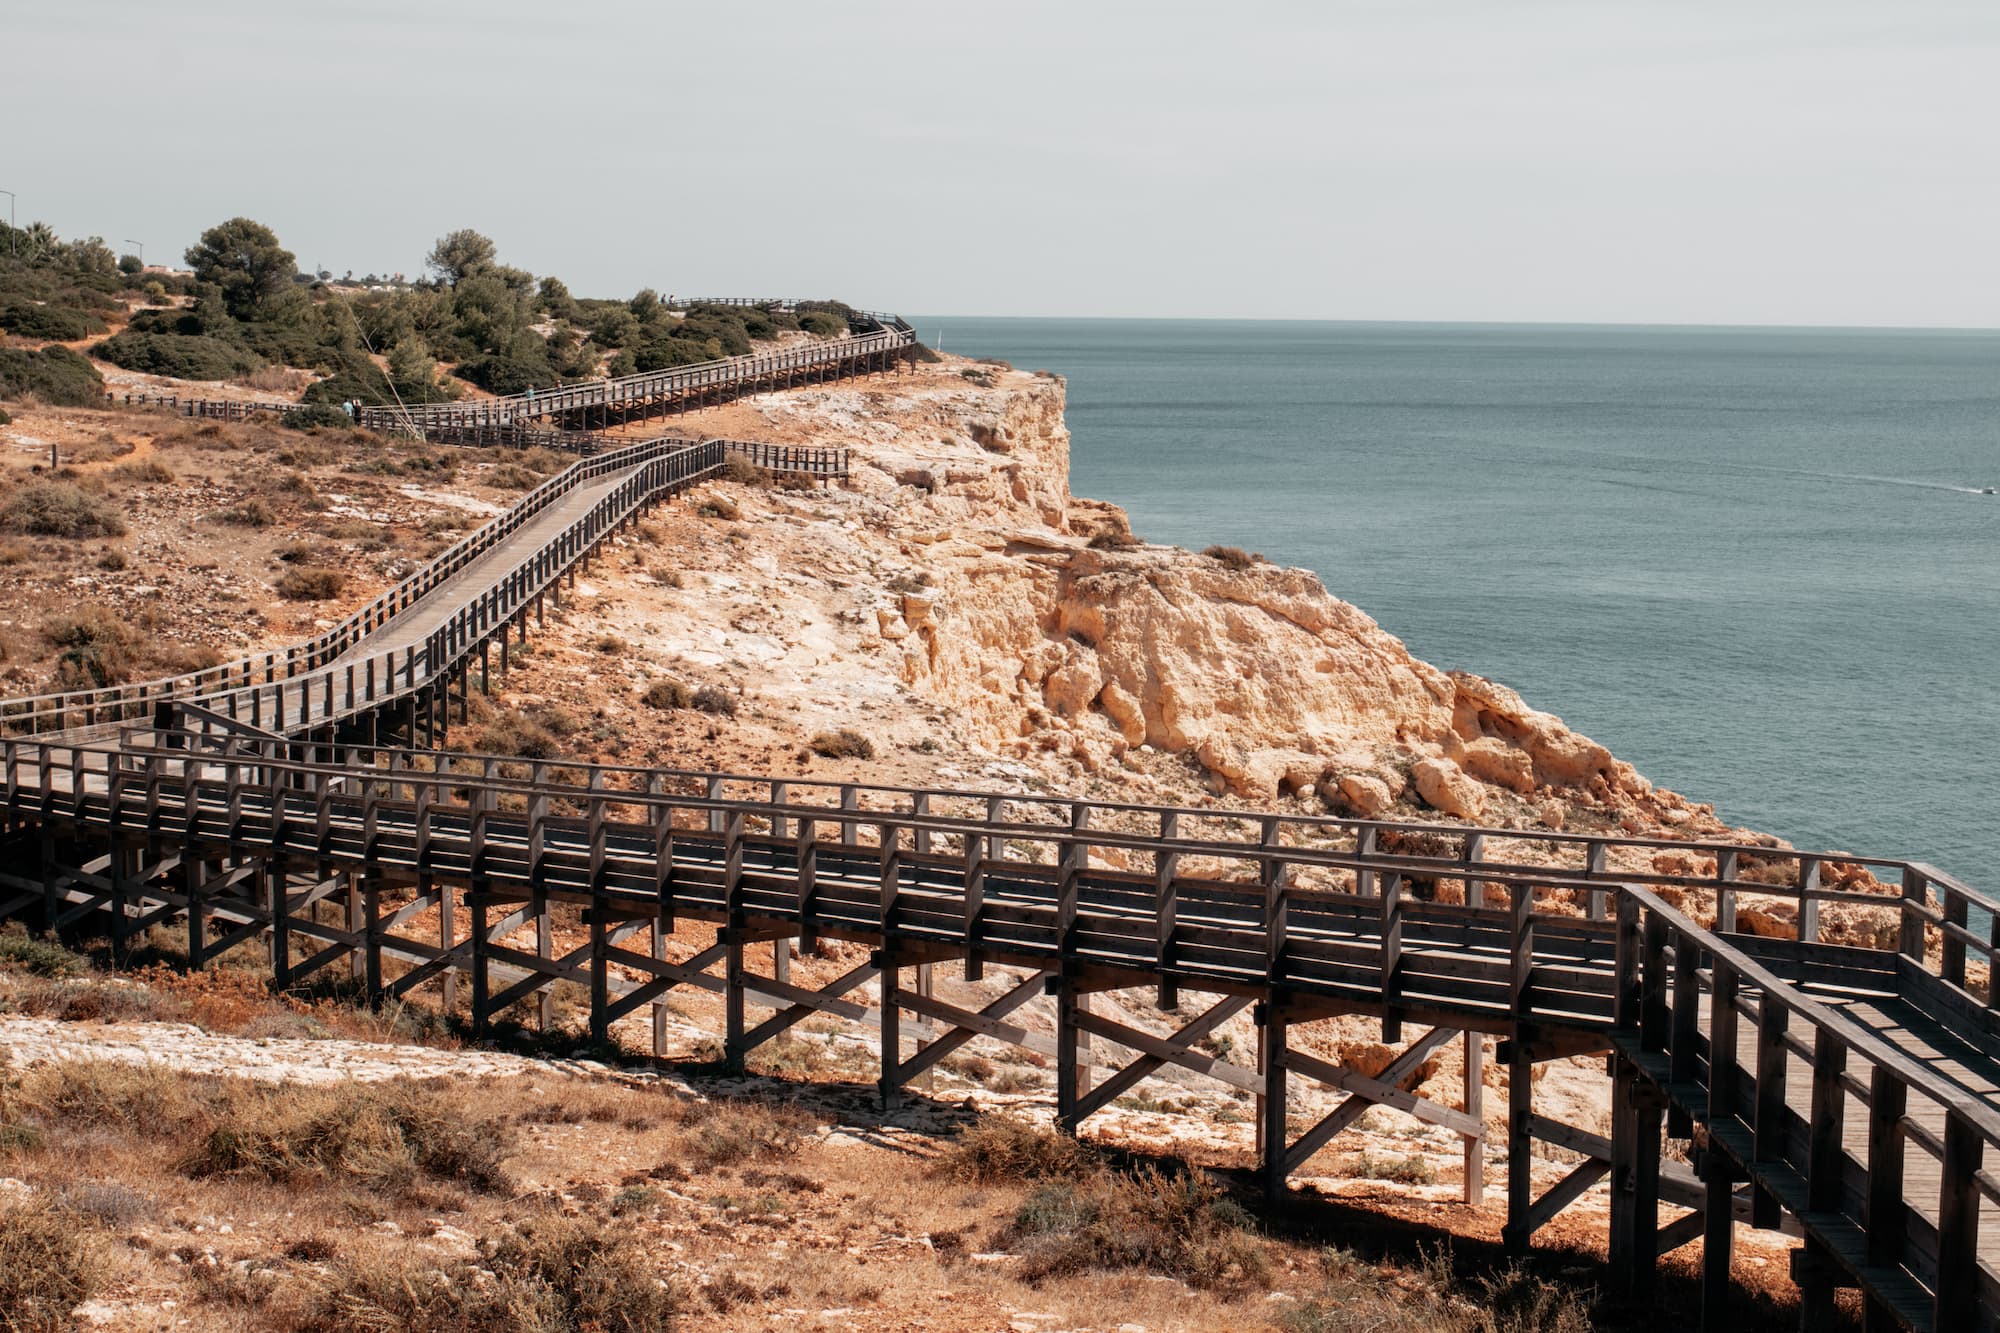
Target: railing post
{"points": [[1958, 1223], [1910, 938]]}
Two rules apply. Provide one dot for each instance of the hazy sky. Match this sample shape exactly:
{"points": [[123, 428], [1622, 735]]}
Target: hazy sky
{"points": [[1824, 162]]}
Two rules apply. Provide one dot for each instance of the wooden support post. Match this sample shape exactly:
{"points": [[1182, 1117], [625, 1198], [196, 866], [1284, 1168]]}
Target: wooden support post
{"points": [[600, 969], [278, 891], [1474, 1104], [1271, 1103], [447, 928], [660, 932], [1520, 1148], [892, 1031], [545, 938], [733, 1025], [1636, 1116], [1067, 1090], [1717, 1237], [1958, 1223], [197, 913], [371, 906]]}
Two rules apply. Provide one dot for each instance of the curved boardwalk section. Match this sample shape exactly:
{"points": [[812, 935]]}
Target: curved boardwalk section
{"points": [[305, 804]]}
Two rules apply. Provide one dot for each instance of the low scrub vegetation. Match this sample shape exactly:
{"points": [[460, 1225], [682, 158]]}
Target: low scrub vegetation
{"points": [[176, 355], [549, 1274], [1356, 1296], [50, 323], [843, 744], [1232, 557], [49, 507], [1084, 1213], [253, 512], [98, 646], [714, 700], [531, 733], [51, 1261], [55, 375], [667, 694], [298, 584]]}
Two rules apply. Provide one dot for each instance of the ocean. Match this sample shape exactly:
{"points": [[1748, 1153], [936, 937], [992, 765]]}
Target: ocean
{"points": [[1758, 564]]}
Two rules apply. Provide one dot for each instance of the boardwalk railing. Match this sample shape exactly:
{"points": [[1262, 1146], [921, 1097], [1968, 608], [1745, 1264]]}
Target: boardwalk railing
{"points": [[1827, 1117], [891, 337], [262, 677]]}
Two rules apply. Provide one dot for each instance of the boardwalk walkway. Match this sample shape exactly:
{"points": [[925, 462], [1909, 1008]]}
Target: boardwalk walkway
{"points": [[304, 804]]}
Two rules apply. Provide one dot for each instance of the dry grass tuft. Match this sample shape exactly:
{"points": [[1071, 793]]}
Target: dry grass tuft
{"points": [[549, 1275], [1356, 1296], [50, 1262], [54, 508], [667, 694], [310, 585], [743, 472], [1232, 557], [386, 1138], [723, 1132], [843, 744], [999, 1148]]}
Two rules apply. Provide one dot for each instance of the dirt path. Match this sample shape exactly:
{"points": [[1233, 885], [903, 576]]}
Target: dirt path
{"points": [[187, 1049]]}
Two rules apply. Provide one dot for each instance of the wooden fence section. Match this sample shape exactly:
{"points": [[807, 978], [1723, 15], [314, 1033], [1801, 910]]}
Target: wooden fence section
{"points": [[886, 341]]}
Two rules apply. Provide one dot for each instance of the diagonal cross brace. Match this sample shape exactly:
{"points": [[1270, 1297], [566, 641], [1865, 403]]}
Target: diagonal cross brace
{"points": [[1365, 1091], [1115, 1086]]}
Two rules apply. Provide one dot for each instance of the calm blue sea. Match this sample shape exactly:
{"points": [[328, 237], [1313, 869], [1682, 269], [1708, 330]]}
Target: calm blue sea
{"points": [[1756, 563]]}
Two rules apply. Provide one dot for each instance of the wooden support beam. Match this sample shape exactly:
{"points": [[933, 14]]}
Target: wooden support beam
{"points": [[1157, 1053], [1517, 1232], [1395, 1075]]}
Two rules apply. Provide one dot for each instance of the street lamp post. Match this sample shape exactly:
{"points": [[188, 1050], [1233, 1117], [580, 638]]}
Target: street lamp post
{"points": [[142, 250]]}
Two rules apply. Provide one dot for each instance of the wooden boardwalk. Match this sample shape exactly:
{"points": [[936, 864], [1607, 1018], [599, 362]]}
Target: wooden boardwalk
{"points": [[304, 804]]}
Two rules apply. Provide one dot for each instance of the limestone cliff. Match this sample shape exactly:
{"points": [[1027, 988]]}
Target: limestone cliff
{"points": [[956, 571]]}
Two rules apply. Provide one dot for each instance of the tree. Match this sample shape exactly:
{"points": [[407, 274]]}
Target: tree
{"points": [[244, 259], [459, 255], [130, 264], [554, 299]]}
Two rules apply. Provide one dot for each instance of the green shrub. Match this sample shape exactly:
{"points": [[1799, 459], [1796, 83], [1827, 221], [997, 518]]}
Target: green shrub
{"points": [[822, 325], [56, 375], [51, 508], [38, 957], [51, 323], [317, 416], [5, 418], [177, 356], [667, 353], [507, 374], [99, 646], [309, 585], [354, 378], [843, 744]]}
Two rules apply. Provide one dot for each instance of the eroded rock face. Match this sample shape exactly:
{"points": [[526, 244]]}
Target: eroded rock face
{"points": [[956, 573], [1445, 787]]}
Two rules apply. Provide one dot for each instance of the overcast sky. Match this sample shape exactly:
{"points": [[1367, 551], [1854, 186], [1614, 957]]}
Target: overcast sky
{"points": [[1611, 160]]}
